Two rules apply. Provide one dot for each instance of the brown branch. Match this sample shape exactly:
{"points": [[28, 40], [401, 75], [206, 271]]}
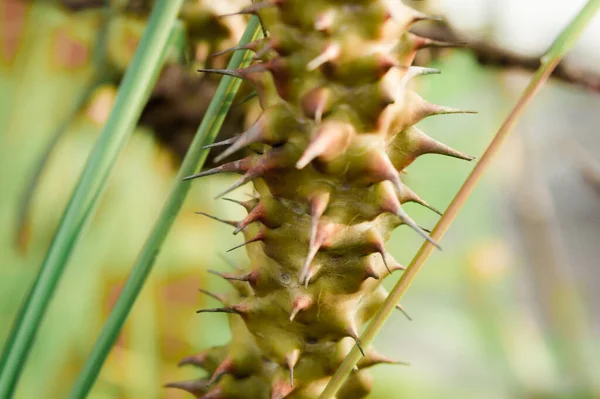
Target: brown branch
{"points": [[493, 55]]}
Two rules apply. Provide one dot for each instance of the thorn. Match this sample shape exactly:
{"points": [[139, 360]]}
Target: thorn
{"points": [[259, 237], [354, 335], [254, 215], [225, 367], [323, 233], [330, 53], [248, 46], [407, 220], [312, 272], [415, 71], [383, 168], [301, 302], [333, 136], [314, 103], [194, 360], [436, 109], [380, 247], [244, 100], [218, 297], [248, 278], [228, 309], [241, 181], [252, 135], [371, 273], [408, 195], [373, 358], [228, 222], [291, 361], [195, 387], [238, 166], [220, 143], [401, 308], [248, 205], [428, 145]]}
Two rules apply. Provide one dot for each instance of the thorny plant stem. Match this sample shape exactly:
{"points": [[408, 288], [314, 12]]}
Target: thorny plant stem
{"points": [[131, 97], [549, 61], [193, 161]]}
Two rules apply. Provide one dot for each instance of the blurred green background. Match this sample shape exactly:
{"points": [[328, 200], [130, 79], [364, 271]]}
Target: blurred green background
{"points": [[509, 309]]}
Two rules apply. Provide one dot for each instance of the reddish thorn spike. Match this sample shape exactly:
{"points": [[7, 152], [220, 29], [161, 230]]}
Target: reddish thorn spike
{"points": [[330, 52], [323, 233], [242, 73], [281, 390], [228, 309], [228, 222], [243, 180], [249, 278], [330, 136], [220, 143], [380, 247], [302, 302], [371, 273], [249, 46], [259, 54], [218, 297], [255, 215], [252, 135], [318, 205], [291, 361], [259, 237], [352, 333], [401, 308], [312, 272], [195, 387], [225, 367], [383, 168], [252, 9], [248, 205], [194, 360], [228, 72], [239, 166]]}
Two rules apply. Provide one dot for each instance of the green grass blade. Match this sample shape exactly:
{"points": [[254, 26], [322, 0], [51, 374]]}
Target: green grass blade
{"points": [[131, 97], [563, 43], [192, 163]]}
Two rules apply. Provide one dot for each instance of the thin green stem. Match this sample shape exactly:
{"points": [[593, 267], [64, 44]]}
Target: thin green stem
{"points": [[550, 60], [192, 163], [132, 95]]}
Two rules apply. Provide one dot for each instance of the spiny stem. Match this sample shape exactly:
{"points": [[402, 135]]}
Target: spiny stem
{"points": [[549, 61]]}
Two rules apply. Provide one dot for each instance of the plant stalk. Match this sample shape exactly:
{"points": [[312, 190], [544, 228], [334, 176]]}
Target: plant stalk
{"points": [[192, 163], [549, 61], [131, 98]]}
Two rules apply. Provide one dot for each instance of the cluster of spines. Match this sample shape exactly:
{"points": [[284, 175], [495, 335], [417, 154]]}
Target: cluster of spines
{"points": [[327, 153]]}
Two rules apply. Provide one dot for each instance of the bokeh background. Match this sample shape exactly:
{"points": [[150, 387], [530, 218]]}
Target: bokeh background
{"points": [[509, 309]]}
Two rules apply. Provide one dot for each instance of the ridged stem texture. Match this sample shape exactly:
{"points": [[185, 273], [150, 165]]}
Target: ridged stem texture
{"points": [[325, 159], [132, 95]]}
